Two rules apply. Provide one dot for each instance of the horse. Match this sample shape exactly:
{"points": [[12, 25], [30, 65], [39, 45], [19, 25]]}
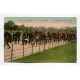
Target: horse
{"points": [[7, 39], [16, 37]]}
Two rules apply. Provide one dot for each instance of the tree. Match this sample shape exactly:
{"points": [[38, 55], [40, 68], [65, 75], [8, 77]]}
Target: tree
{"points": [[9, 25]]}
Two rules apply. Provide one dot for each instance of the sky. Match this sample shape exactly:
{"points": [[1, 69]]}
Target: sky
{"points": [[56, 22]]}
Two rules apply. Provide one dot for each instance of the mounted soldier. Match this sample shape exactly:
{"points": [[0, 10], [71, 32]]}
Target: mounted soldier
{"points": [[7, 39]]}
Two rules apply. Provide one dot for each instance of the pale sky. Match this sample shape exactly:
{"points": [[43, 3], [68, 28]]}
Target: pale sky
{"points": [[56, 22]]}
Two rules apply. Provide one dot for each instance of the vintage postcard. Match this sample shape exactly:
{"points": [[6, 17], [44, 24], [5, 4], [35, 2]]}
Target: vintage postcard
{"points": [[40, 39]]}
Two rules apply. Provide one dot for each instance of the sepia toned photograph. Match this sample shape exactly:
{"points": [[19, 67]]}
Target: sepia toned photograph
{"points": [[40, 39]]}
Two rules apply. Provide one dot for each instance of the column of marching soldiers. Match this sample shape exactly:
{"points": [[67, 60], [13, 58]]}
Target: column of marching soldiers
{"points": [[35, 38]]}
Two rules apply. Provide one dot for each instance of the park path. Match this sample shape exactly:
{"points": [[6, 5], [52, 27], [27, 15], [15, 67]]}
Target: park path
{"points": [[28, 50]]}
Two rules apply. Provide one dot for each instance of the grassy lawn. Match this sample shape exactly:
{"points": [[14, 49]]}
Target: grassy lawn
{"points": [[62, 54]]}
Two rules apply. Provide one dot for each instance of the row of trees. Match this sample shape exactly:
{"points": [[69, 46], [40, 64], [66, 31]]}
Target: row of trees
{"points": [[11, 26]]}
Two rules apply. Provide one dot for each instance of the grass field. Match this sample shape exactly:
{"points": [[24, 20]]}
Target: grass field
{"points": [[63, 54]]}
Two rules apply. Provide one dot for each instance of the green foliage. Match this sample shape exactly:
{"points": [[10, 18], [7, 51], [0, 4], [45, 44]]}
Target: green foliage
{"points": [[9, 25]]}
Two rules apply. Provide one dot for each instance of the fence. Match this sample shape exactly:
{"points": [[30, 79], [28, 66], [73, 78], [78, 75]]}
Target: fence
{"points": [[21, 50]]}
